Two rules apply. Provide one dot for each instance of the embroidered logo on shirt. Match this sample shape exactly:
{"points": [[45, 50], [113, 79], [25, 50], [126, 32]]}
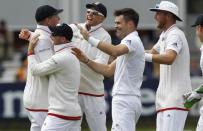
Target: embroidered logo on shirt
{"points": [[128, 41], [175, 45]]}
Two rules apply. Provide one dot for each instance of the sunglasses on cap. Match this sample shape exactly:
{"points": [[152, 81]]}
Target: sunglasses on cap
{"points": [[94, 12]]}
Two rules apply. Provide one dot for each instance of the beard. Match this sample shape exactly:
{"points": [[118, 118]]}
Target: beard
{"points": [[160, 25]]}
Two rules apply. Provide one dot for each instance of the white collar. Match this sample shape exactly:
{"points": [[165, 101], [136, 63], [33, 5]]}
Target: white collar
{"points": [[171, 27], [94, 28], [60, 47], [44, 28]]}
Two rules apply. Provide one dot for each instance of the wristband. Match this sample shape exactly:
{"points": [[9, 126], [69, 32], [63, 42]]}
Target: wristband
{"points": [[93, 41], [148, 57], [28, 54]]}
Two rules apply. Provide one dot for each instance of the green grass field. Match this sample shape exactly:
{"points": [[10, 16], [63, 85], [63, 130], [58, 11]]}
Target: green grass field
{"points": [[143, 125]]}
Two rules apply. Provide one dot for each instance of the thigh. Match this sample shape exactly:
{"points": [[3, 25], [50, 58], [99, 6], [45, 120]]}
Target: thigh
{"points": [[36, 119], [125, 113], [159, 121], [94, 109], [52, 123], [200, 123], [174, 120]]}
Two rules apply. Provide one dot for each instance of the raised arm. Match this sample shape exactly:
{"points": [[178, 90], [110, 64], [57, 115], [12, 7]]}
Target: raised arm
{"points": [[106, 70], [109, 48], [44, 68]]}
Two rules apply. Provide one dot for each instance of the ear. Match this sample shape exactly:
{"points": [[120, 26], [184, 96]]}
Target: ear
{"points": [[201, 29], [130, 24]]}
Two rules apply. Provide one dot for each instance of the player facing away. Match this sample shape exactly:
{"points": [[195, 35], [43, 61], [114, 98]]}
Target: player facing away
{"points": [[127, 68], [172, 53], [91, 91], [197, 94], [63, 69], [35, 95]]}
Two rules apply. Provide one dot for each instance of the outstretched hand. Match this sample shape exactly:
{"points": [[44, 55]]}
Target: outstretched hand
{"points": [[80, 55], [33, 43], [24, 34], [83, 32]]}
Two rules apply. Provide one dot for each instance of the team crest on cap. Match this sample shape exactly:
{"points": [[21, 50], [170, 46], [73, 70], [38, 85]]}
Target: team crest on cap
{"points": [[157, 6]]}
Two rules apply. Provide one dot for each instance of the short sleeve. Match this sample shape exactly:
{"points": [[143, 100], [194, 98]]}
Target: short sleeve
{"points": [[157, 47], [174, 43], [130, 43]]}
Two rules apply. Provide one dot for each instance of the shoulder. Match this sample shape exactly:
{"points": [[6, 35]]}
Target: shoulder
{"points": [[103, 32], [176, 31], [132, 37], [44, 37]]}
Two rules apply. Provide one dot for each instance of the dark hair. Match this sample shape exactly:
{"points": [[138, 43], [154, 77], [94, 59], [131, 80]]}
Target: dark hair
{"points": [[128, 14]]}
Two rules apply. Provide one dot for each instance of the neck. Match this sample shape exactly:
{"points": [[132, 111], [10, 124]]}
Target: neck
{"points": [[167, 26], [132, 30]]}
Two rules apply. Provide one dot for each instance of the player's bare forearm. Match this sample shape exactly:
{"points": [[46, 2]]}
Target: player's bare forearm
{"points": [[152, 51], [106, 70], [113, 50], [32, 44], [167, 58]]}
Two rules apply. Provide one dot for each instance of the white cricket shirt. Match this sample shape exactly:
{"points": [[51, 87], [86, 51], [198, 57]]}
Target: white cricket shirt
{"points": [[36, 90], [174, 79], [91, 82], [64, 71], [130, 67]]}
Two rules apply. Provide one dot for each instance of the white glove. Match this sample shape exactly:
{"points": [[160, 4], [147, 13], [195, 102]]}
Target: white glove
{"points": [[191, 99], [190, 96]]}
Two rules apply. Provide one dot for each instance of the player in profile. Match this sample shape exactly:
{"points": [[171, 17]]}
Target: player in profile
{"points": [[172, 53]]}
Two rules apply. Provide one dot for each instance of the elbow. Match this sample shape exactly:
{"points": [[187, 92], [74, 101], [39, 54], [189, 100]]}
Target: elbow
{"points": [[114, 54], [108, 75], [169, 62], [109, 72]]}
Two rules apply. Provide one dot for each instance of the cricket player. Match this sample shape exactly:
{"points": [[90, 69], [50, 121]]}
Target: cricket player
{"points": [[35, 94], [197, 94], [172, 53], [91, 92], [128, 68], [63, 69]]}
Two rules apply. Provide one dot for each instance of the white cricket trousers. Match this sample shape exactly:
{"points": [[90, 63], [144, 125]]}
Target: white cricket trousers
{"points": [[53, 123], [171, 120], [36, 119], [126, 111], [200, 121], [94, 109]]}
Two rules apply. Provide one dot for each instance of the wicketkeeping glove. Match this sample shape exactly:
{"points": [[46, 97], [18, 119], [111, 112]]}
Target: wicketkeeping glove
{"points": [[193, 97]]}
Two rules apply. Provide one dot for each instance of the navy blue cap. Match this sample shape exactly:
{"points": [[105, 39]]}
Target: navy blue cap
{"points": [[62, 30], [199, 21], [45, 11], [98, 7]]}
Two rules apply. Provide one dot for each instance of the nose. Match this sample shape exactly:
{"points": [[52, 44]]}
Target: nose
{"points": [[115, 26]]}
